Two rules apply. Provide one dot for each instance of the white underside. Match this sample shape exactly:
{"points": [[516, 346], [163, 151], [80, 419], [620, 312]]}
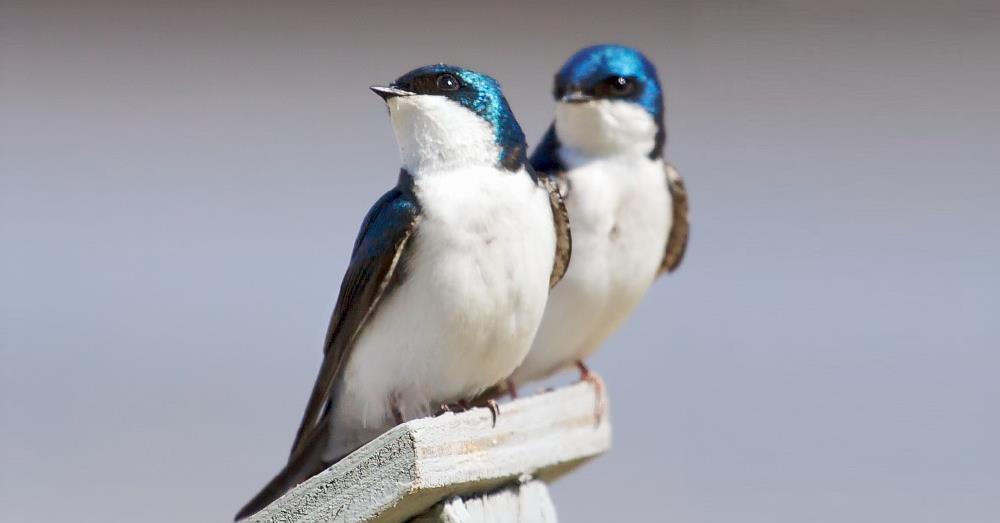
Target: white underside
{"points": [[620, 213], [477, 273]]}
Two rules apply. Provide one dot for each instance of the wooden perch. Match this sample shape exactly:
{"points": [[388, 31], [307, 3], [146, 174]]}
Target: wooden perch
{"points": [[413, 466]]}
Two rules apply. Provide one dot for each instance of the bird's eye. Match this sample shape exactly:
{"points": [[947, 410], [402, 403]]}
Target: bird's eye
{"points": [[619, 86], [447, 82]]}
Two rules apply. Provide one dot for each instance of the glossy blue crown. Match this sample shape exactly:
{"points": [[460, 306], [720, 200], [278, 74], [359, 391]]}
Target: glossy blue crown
{"points": [[591, 65]]}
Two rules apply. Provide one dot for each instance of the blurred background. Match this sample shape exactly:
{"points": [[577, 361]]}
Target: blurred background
{"points": [[182, 182]]}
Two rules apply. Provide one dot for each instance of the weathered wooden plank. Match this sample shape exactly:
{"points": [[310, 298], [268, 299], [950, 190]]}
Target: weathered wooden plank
{"points": [[414, 465], [522, 502]]}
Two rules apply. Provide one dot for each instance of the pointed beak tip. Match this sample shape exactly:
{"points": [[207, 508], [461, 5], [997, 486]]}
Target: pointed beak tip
{"points": [[389, 92]]}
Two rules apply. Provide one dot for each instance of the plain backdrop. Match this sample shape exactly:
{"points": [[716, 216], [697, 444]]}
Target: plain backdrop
{"points": [[182, 182]]}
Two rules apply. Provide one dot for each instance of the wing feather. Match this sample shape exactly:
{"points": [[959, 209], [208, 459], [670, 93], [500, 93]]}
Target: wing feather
{"points": [[564, 238], [680, 227], [377, 266], [548, 170], [373, 272]]}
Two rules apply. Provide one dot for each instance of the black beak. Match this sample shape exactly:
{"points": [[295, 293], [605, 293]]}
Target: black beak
{"points": [[389, 92], [576, 97]]}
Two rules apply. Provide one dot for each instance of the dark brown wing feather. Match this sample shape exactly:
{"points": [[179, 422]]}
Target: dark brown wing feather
{"points": [[680, 228], [564, 238], [364, 288], [300, 467]]}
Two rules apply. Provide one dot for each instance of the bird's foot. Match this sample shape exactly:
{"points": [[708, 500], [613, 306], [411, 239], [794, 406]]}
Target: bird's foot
{"points": [[458, 406], [600, 407], [464, 405]]}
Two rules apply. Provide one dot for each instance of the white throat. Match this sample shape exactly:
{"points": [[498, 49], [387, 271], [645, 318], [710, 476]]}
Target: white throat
{"points": [[605, 128], [438, 134]]}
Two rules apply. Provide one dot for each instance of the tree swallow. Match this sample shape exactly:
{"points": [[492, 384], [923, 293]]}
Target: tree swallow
{"points": [[448, 278], [627, 206]]}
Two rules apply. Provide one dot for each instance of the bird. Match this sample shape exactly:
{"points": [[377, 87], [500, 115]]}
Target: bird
{"points": [[448, 277], [627, 206]]}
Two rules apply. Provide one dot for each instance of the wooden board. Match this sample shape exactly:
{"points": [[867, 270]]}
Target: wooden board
{"points": [[417, 464]]}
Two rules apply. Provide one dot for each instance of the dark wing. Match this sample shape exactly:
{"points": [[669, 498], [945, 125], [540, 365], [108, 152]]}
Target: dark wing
{"points": [[680, 228], [564, 239], [377, 252], [547, 169], [374, 271], [545, 159], [300, 467]]}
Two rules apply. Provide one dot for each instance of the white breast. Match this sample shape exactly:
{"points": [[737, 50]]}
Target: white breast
{"points": [[620, 214], [474, 294]]}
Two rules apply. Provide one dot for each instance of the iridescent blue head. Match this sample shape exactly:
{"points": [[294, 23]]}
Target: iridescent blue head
{"points": [[610, 100], [429, 102], [612, 72]]}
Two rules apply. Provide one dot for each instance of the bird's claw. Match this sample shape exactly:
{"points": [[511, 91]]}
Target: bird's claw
{"points": [[464, 405], [457, 407], [494, 409]]}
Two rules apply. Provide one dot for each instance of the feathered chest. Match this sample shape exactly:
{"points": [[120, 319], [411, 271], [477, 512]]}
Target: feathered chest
{"points": [[620, 214], [484, 227]]}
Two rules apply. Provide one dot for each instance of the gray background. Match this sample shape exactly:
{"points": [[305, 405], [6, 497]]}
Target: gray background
{"points": [[181, 185]]}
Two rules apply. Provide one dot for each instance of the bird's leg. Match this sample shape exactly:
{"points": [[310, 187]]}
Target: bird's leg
{"points": [[397, 414], [511, 388], [599, 405]]}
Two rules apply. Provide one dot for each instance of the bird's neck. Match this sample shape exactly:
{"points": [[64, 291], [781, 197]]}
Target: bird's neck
{"points": [[605, 128], [435, 134]]}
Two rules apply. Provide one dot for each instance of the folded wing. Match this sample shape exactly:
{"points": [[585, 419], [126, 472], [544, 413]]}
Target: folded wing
{"points": [[680, 227], [376, 268]]}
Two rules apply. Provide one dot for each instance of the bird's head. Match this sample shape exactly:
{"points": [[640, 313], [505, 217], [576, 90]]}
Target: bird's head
{"points": [[448, 117], [609, 101]]}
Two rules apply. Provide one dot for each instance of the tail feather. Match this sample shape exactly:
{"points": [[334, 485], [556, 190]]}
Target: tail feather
{"points": [[300, 467]]}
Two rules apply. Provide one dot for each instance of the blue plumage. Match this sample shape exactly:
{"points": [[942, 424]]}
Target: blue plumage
{"points": [[592, 65], [545, 160], [380, 228]]}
